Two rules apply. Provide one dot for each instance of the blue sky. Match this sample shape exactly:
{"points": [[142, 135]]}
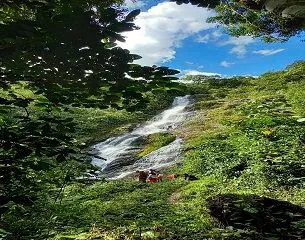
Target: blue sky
{"points": [[179, 37]]}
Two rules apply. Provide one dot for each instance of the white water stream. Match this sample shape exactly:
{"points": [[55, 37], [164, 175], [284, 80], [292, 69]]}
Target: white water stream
{"points": [[118, 152]]}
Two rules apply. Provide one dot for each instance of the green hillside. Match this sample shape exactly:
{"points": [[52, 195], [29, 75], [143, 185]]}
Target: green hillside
{"points": [[246, 145]]}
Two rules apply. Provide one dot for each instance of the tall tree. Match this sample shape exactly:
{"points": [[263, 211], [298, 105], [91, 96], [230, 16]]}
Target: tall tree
{"points": [[251, 17]]}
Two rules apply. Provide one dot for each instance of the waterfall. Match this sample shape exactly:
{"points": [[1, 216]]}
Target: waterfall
{"points": [[118, 152]]}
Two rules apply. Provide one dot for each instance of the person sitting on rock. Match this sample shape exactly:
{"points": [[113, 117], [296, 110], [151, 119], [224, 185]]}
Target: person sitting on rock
{"points": [[142, 175], [152, 173], [153, 176]]}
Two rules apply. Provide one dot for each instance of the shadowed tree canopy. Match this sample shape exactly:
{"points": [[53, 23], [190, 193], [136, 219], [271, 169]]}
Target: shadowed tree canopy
{"points": [[253, 18], [65, 51], [69, 53]]}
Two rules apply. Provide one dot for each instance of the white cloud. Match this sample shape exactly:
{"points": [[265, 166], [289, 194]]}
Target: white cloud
{"points": [[226, 64], [269, 52], [195, 72], [243, 40], [162, 29], [203, 38], [240, 44], [214, 36], [240, 50], [133, 4]]}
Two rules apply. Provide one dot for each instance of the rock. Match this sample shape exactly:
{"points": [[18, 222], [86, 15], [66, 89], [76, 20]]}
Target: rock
{"points": [[119, 163]]}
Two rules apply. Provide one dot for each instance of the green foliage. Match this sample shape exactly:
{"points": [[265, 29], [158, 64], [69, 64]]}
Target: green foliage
{"points": [[72, 58], [243, 20], [126, 206], [93, 124], [250, 18], [266, 133], [296, 97], [252, 140], [156, 141], [59, 60]]}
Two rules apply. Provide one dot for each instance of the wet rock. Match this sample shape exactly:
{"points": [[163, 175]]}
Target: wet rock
{"points": [[119, 163]]}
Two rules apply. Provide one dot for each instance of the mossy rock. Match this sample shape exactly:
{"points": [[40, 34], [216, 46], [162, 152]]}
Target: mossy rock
{"points": [[155, 141]]}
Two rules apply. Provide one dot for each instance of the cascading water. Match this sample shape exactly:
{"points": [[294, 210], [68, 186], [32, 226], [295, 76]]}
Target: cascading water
{"points": [[118, 152]]}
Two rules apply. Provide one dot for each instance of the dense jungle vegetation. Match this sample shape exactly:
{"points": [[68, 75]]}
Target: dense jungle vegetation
{"points": [[65, 84]]}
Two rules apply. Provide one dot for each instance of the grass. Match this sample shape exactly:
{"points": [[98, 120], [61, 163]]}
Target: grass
{"points": [[245, 140], [245, 144]]}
